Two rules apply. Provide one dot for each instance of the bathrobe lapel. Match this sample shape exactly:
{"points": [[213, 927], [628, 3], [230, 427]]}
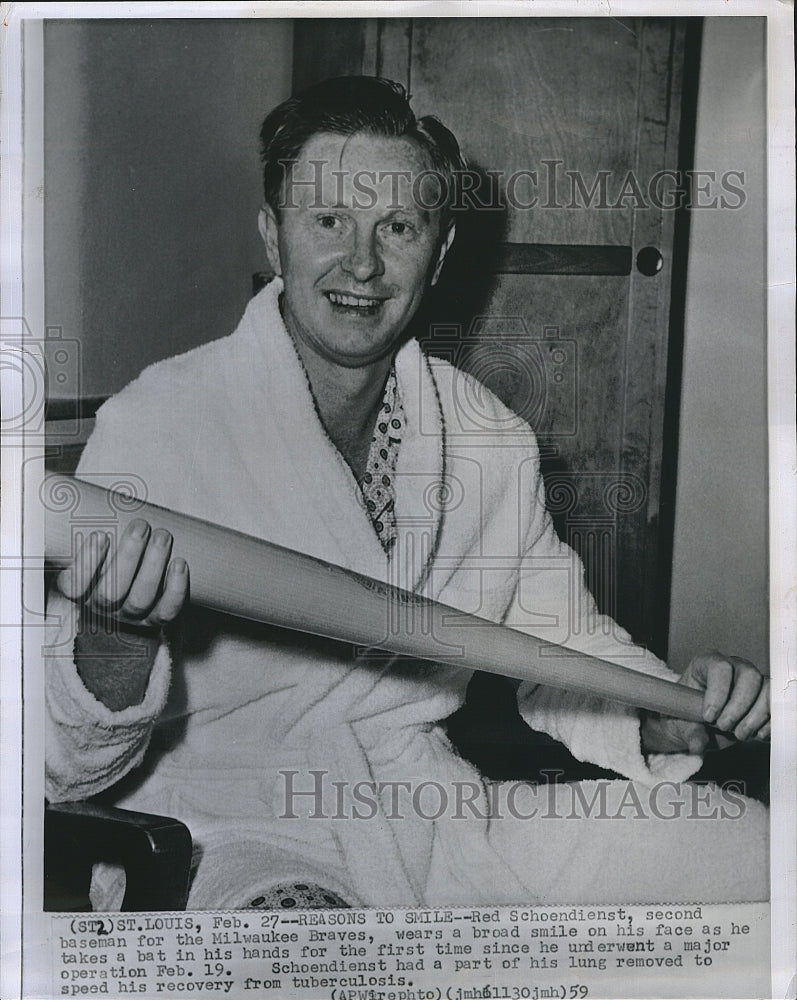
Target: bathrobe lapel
{"points": [[314, 501]]}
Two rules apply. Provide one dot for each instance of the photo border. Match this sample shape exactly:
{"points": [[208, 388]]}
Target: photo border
{"points": [[21, 134]]}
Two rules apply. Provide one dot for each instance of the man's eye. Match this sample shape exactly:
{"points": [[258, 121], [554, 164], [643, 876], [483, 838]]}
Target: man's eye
{"points": [[329, 222], [398, 229]]}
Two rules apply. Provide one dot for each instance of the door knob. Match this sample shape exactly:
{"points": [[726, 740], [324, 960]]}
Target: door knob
{"points": [[649, 261]]}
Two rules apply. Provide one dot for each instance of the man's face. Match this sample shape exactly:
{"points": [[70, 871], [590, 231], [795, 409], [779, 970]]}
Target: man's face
{"points": [[355, 248]]}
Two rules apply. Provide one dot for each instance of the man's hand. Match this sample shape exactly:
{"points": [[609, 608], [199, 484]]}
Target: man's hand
{"points": [[125, 596], [735, 700], [136, 583]]}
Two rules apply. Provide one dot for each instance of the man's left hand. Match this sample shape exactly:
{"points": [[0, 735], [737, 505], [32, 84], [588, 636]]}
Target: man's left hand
{"points": [[735, 700]]}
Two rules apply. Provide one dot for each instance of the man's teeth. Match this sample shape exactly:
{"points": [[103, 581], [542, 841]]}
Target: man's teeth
{"points": [[352, 300]]}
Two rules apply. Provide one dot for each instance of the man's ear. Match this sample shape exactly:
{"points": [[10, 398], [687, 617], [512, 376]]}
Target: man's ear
{"points": [[269, 230], [445, 246]]}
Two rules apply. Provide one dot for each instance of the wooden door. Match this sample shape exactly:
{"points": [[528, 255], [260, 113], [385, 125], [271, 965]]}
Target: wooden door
{"points": [[549, 301]]}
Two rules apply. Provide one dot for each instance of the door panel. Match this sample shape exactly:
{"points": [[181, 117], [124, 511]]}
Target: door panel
{"points": [[519, 92]]}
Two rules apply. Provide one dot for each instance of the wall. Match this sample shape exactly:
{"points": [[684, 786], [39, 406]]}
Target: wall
{"points": [[719, 585], [152, 183]]}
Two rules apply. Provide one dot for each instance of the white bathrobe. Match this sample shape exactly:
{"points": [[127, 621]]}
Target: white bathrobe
{"points": [[237, 716]]}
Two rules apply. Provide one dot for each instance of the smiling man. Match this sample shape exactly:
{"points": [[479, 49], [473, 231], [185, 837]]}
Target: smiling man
{"points": [[361, 252], [309, 773]]}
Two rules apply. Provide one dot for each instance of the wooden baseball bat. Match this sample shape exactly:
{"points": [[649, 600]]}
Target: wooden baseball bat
{"points": [[255, 579]]}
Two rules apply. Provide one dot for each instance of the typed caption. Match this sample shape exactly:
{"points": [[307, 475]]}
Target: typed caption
{"points": [[505, 953]]}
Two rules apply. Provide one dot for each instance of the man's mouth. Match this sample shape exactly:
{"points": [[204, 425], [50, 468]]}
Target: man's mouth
{"points": [[361, 305]]}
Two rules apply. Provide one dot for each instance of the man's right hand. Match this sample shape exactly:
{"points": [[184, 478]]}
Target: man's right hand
{"points": [[137, 582], [125, 595]]}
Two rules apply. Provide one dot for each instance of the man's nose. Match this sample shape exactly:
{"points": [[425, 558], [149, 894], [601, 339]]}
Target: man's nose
{"points": [[364, 260]]}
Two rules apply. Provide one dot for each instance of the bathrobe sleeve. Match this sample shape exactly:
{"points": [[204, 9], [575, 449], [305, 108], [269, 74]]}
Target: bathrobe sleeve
{"points": [[89, 747], [552, 601]]}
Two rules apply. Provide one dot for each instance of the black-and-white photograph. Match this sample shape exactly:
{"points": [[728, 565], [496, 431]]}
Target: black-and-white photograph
{"points": [[405, 491]]}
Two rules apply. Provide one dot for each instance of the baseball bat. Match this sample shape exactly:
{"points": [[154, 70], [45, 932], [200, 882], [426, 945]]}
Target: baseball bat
{"points": [[255, 579]]}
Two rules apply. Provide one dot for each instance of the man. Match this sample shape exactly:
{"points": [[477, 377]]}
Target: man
{"points": [[300, 767]]}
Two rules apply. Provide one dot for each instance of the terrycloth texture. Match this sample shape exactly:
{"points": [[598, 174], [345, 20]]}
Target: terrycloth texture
{"points": [[83, 728], [229, 432]]}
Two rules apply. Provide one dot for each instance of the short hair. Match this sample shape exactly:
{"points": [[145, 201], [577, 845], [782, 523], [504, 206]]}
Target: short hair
{"points": [[345, 106]]}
